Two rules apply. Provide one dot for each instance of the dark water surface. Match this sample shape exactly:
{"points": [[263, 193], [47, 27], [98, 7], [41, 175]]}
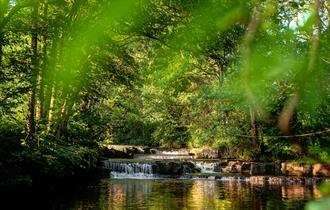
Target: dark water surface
{"points": [[165, 194]]}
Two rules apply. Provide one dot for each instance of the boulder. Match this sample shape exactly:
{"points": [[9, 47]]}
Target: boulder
{"points": [[292, 169], [217, 168], [153, 151], [232, 167], [175, 168], [147, 150], [246, 168], [113, 153], [321, 170], [138, 150], [277, 168], [258, 168]]}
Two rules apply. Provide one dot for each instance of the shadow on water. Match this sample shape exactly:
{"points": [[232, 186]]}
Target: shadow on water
{"points": [[163, 194]]}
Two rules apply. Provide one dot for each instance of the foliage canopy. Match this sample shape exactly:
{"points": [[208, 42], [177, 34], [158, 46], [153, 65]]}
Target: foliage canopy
{"points": [[229, 74]]}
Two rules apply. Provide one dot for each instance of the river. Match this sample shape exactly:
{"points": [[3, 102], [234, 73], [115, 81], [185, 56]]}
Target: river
{"points": [[171, 194]]}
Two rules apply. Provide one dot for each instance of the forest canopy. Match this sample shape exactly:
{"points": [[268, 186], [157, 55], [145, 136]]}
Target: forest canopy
{"points": [[248, 77]]}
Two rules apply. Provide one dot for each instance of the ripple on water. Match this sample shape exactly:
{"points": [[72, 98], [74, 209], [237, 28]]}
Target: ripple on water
{"points": [[167, 194]]}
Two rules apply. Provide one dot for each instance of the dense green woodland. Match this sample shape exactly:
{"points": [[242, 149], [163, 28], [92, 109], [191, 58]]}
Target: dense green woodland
{"points": [[251, 78]]}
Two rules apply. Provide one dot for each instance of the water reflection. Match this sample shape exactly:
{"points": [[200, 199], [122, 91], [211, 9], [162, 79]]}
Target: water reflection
{"points": [[144, 194], [168, 194], [203, 194], [299, 192]]}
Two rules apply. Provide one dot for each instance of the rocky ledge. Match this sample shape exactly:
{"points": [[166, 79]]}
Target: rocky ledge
{"points": [[277, 168], [127, 151], [121, 168], [208, 157]]}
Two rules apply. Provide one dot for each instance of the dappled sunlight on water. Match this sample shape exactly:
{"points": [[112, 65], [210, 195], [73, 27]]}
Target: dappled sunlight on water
{"points": [[300, 192], [203, 194]]}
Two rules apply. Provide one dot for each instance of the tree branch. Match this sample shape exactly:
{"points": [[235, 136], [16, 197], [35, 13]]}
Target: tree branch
{"points": [[13, 11]]}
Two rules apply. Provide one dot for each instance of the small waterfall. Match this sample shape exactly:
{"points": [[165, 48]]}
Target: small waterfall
{"points": [[207, 167], [129, 170]]}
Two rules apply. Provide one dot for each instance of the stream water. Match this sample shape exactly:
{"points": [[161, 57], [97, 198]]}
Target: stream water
{"points": [[137, 185], [166, 194]]}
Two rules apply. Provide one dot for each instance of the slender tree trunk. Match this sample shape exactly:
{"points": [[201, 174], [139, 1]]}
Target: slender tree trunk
{"points": [[252, 29], [31, 123], [64, 117], [51, 108], [60, 121], [254, 129], [50, 84], [42, 112]]}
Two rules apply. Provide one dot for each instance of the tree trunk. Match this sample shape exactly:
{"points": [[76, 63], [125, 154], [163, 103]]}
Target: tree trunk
{"points": [[254, 129], [60, 122], [50, 83], [31, 123], [64, 117], [42, 112], [51, 108]]}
